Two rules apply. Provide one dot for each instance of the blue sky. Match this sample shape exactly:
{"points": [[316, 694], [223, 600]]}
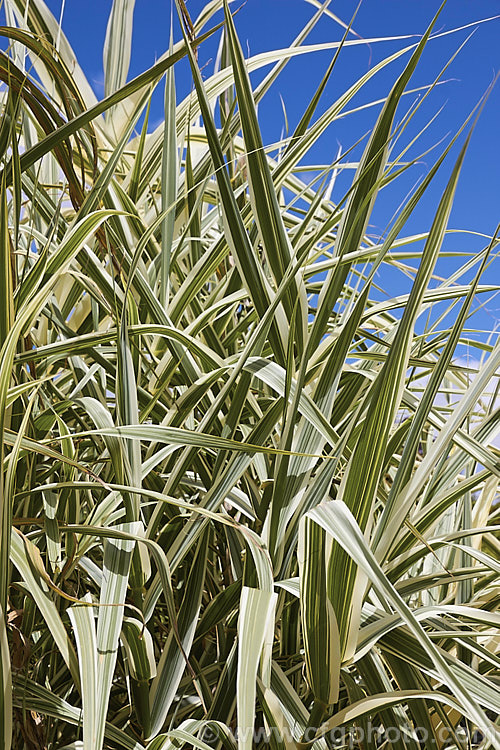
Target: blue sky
{"points": [[268, 24]]}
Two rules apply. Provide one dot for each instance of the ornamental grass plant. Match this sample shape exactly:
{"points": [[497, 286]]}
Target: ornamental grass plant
{"points": [[247, 501]]}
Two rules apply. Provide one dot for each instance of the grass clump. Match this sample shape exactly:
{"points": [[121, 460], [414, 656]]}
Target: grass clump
{"points": [[244, 499]]}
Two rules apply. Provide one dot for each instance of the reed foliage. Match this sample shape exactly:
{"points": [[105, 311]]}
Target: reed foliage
{"points": [[239, 492]]}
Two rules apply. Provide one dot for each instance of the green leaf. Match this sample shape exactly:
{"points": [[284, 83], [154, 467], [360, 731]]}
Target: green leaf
{"points": [[140, 649], [175, 654], [169, 170]]}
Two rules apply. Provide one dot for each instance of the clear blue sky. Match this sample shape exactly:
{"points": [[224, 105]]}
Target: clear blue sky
{"points": [[268, 24]]}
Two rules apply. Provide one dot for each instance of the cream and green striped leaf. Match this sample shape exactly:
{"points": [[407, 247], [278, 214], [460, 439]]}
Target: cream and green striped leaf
{"points": [[257, 608], [319, 626]]}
